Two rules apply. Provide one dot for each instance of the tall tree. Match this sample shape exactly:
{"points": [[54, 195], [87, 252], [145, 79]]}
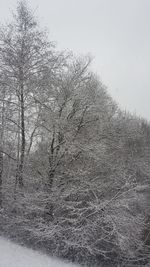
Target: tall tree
{"points": [[27, 59], [71, 115]]}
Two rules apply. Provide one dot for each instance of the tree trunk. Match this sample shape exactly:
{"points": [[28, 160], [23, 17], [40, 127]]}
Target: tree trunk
{"points": [[1, 148], [51, 170], [51, 178], [1, 173], [19, 175]]}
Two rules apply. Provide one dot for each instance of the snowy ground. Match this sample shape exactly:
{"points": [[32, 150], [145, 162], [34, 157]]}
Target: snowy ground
{"points": [[12, 255]]}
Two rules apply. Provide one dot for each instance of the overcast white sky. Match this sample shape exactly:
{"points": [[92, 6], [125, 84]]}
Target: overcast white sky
{"points": [[115, 32]]}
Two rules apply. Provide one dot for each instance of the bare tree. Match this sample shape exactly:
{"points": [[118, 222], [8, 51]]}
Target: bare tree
{"points": [[27, 58], [71, 114]]}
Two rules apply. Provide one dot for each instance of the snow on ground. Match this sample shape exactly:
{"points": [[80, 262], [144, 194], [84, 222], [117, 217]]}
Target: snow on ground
{"points": [[12, 255]]}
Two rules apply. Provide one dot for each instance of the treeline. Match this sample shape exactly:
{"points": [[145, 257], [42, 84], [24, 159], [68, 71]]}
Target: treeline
{"points": [[74, 168]]}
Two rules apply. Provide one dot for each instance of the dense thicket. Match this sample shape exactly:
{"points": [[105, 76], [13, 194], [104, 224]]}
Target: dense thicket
{"points": [[74, 169]]}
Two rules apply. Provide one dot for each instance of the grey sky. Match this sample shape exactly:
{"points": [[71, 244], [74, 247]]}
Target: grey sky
{"points": [[115, 32]]}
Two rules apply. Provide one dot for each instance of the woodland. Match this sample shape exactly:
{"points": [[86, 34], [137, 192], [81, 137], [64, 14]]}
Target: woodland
{"points": [[74, 167]]}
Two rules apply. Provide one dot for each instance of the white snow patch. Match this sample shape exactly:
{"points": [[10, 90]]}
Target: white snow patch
{"points": [[12, 255]]}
